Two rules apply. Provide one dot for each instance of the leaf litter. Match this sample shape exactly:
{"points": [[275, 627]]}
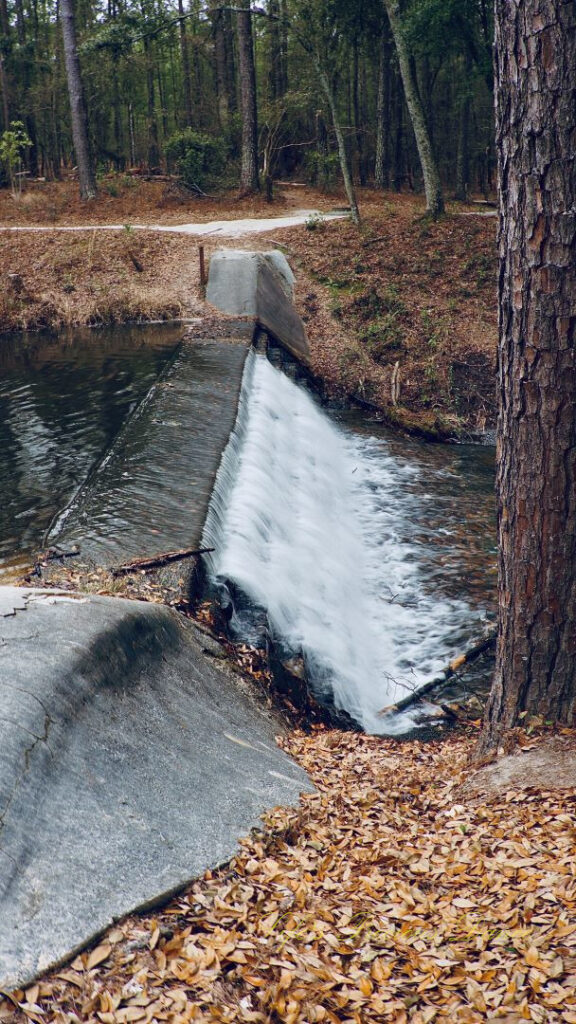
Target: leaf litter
{"points": [[381, 897]]}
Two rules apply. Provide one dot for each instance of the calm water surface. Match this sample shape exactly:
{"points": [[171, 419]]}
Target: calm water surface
{"points": [[63, 400]]}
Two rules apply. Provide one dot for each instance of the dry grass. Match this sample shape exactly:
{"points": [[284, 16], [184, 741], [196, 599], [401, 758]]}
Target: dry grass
{"points": [[64, 280]]}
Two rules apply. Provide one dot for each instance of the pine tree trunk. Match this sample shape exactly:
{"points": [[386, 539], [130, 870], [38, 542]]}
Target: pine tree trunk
{"points": [[535, 86], [249, 166], [77, 105], [432, 187]]}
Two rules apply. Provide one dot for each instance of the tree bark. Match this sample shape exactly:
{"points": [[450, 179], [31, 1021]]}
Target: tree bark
{"points": [[77, 104], [432, 186], [535, 87], [249, 166]]}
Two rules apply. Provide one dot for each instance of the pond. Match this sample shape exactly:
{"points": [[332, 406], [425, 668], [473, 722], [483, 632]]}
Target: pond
{"points": [[63, 400]]}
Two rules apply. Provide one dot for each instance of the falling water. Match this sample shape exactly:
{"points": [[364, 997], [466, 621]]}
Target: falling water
{"points": [[308, 520]]}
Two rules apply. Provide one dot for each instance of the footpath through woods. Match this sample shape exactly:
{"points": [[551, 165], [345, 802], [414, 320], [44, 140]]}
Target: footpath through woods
{"points": [[387, 896]]}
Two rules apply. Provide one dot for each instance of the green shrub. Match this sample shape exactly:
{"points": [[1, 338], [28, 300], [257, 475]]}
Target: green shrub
{"points": [[322, 169], [199, 159]]}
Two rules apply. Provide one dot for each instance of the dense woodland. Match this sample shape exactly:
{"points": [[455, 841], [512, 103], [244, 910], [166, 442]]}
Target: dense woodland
{"points": [[169, 86]]}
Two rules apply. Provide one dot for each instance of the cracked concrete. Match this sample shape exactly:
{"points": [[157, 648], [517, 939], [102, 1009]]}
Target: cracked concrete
{"points": [[129, 763]]}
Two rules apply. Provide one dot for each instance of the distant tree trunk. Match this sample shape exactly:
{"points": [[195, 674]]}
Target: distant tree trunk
{"points": [[432, 186], [5, 96], [77, 105], [358, 129], [249, 166], [382, 158], [220, 60], [344, 164], [535, 87], [463, 153], [398, 141], [6, 33], [276, 77], [185, 54]]}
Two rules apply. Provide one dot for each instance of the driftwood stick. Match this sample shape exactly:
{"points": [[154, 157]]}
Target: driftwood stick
{"points": [[451, 669], [55, 554], [143, 564]]}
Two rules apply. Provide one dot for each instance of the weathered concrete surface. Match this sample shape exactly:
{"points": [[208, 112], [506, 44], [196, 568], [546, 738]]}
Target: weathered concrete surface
{"points": [[258, 285], [151, 492], [129, 763]]}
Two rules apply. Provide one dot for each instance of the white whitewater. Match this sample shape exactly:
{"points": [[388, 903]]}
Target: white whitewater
{"points": [[309, 521]]}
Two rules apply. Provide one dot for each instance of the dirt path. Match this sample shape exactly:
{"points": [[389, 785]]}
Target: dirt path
{"points": [[223, 228]]}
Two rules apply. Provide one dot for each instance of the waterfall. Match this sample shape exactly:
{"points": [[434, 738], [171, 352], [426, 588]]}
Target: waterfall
{"points": [[308, 520]]}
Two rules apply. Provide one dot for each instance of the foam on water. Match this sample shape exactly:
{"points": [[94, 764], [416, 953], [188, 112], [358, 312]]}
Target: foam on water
{"points": [[310, 522]]}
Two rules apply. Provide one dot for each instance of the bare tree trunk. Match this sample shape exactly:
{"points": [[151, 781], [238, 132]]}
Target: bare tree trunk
{"points": [[249, 167], [432, 187], [276, 67], [77, 105], [218, 36], [535, 86], [342, 154], [463, 153], [185, 53], [382, 158], [399, 139]]}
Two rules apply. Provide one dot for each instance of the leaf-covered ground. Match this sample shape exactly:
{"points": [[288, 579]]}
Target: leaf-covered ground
{"points": [[382, 898]]}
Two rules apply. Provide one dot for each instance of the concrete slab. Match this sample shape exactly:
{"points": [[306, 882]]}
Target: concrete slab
{"points": [[130, 761], [151, 492], [258, 285]]}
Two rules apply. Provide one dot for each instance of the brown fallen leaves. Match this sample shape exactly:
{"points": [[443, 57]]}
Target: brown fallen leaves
{"points": [[381, 899]]}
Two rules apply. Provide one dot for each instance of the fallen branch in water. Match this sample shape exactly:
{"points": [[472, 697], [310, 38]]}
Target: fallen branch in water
{"points": [[55, 554], [451, 669], [143, 564]]}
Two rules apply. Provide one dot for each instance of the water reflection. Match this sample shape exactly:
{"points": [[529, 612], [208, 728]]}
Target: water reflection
{"points": [[62, 402]]}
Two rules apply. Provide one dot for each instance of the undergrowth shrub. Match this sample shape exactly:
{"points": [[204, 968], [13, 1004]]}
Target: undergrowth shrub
{"points": [[199, 159]]}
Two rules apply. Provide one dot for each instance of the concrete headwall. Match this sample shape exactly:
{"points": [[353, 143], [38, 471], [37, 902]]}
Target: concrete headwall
{"points": [[259, 285], [130, 761]]}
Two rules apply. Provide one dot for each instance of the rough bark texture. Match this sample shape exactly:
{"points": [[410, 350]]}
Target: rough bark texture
{"points": [[249, 169], [77, 105], [432, 187], [536, 100]]}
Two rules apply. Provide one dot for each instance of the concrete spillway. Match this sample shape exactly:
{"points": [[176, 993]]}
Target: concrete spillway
{"points": [[151, 491], [130, 759]]}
